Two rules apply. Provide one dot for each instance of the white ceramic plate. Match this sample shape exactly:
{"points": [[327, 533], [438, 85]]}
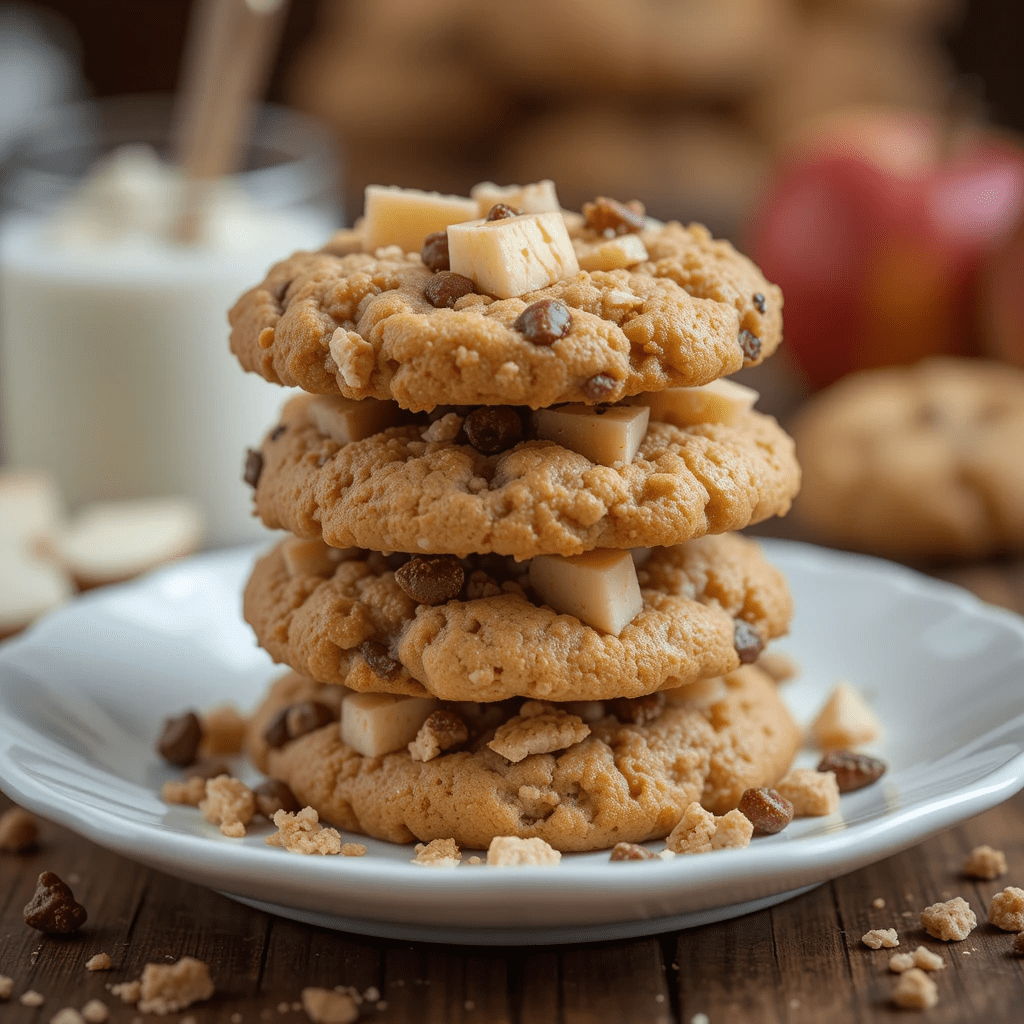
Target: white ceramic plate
{"points": [[83, 694]]}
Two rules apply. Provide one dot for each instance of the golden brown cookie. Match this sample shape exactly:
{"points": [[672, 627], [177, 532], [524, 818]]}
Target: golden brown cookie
{"points": [[918, 462], [361, 325], [355, 625], [395, 491], [623, 783]]}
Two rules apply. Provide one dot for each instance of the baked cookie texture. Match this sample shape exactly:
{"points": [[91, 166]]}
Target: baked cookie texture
{"points": [[360, 324], [487, 648], [622, 783], [919, 462], [396, 492]]}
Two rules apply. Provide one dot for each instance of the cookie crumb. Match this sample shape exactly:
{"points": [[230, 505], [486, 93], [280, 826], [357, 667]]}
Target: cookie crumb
{"points": [[229, 803], [302, 833], [167, 988], [53, 909], [986, 863], [539, 728], [950, 921], [511, 851], [845, 720], [67, 1015], [19, 831], [31, 998], [223, 730], [812, 794], [915, 991], [353, 850], [95, 1012], [189, 793], [323, 1006], [99, 962], [879, 937], [878, 903], [700, 831], [1006, 910], [922, 958], [900, 962], [127, 991], [438, 853], [372, 994]]}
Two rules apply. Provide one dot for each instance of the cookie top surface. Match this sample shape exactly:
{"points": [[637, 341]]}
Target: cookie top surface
{"points": [[394, 491], [353, 624], [918, 462], [623, 782], [359, 324]]}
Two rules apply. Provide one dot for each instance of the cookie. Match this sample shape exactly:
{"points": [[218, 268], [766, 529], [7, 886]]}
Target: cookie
{"points": [[918, 462], [623, 783], [394, 491], [353, 624], [361, 325]]}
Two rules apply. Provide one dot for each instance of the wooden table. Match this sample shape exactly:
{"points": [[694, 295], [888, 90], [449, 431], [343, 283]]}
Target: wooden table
{"points": [[801, 961]]}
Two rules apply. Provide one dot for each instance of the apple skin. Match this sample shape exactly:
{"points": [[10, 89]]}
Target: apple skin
{"points": [[878, 239], [1003, 301]]}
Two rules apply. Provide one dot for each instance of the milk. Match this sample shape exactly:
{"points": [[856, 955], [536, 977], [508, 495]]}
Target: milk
{"points": [[115, 370]]}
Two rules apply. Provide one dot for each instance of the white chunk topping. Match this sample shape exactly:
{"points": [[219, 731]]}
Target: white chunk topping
{"points": [[605, 434], [721, 401], [405, 216], [540, 197], [377, 723], [345, 419]]}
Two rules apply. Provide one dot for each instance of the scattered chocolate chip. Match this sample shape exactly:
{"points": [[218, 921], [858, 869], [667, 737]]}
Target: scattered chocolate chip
{"points": [[207, 770], [599, 387], [605, 214], [502, 211], [180, 739], [277, 432], [768, 811], [759, 301], [747, 641], [544, 322], [446, 288], [637, 710], [253, 467], [431, 579], [52, 909], [751, 344], [276, 732], [631, 851], [273, 796], [375, 654], [295, 720], [493, 428], [435, 251], [853, 770]]}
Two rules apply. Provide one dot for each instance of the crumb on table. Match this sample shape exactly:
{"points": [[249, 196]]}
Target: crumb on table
{"points": [[438, 853], [985, 863], [950, 921], [915, 991], [301, 832], [700, 831], [878, 938], [1006, 910], [229, 803]]}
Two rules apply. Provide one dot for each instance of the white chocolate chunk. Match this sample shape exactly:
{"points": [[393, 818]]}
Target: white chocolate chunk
{"points": [[312, 557], [610, 253], [405, 216], [721, 401], [345, 419], [845, 720], [599, 587], [605, 434], [539, 197], [512, 256], [377, 723]]}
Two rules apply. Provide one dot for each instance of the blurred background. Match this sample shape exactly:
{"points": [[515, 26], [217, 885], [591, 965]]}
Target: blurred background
{"points": [[864, 152]]}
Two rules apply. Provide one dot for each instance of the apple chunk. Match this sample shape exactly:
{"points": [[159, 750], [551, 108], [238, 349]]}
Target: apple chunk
{"points": [[599, 587], [605, 434], [405, 216], [540, 197], [345, 419], [721, 401], [377, 723]]}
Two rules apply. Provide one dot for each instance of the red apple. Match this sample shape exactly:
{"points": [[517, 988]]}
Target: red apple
{"points": [[876, 229], [1003, 300]]}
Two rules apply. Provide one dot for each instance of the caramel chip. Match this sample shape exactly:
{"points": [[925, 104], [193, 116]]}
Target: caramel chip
{"points": [[433, 579], [748, 642], [375, 654], [852, 770], [767, 810], [609, 215], [500, 211], [544, 322], [52, 909], [446, 288], [273, 796], [180, 739], [253, 467], [297, 720], [435, 251], [631, 851], [493, 428]]}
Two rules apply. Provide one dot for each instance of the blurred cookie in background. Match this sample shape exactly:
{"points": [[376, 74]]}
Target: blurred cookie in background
{"points": [[903, 13]]}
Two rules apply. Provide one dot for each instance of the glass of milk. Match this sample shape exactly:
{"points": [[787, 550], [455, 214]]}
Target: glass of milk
{"points": [[115, 370]]}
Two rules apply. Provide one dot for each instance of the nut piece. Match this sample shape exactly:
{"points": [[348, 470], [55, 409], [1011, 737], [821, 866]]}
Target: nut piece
{"points": [[345, 420], [431, 579], [637, 710], [609, 215], [610, 253], [325, 1006], [405, 216], [544, 322], [915, 991], [445, 288], [443, 730], [812, 794], [253, 467], [512, 256], [879, 937], [604, 434], [845, 720], [750, 344], [439, 853], [766, 810], [493, 428], [230, 804], [435, 251], [52, 909], [1006, 910], [599, 587], [302, 833], [377, 723], [180, 739], [748, 641], [950, 921], [511, 851], [295, 720], [167, 988], [700, 831], [721, 401], [986, 863], [375, 654], [538, 729], [539, 197], [631, 851], [853, 771], [273, 796], [19, 831]]}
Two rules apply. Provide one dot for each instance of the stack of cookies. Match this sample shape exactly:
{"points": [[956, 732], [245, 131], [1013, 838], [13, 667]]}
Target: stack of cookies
{"points": [[512, 602]]}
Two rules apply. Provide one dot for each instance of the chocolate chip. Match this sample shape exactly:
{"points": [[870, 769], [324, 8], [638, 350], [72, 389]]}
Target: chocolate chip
{"points": [[631, 851], [431, 579], [435, 251], [52, 909], [207, 770], [605, 214], [253, 467], [544, 322], [502, 211], [747, 641], [751, 344], [600, 387], [493, 428], [276, 433], [853, 770], [768, 811], [446, 288], [637, 710], [759, 301], [295, 720], [180, 739], [273, 796], [375, 654]]}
